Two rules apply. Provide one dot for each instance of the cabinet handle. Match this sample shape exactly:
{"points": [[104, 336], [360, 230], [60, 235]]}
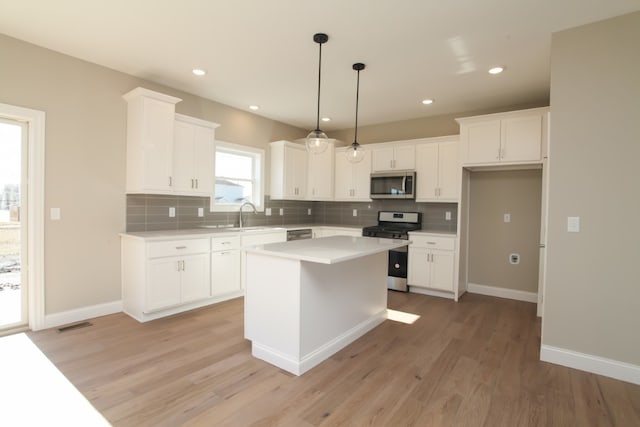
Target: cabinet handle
{"points": [[181, 247], [183, 267], [170, 182], [226, 243], [177, 265], [431, 243], [197, 183]]}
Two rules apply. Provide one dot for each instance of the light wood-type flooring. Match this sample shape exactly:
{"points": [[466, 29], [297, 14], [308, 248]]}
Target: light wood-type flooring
{"points": [[472, 363]]}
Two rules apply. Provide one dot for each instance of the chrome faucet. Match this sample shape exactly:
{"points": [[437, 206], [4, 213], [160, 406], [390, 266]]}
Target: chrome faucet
{"points": [[242, 206]]}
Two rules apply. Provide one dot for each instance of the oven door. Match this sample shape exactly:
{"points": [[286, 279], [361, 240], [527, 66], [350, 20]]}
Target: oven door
{"points": [[397, 271]]}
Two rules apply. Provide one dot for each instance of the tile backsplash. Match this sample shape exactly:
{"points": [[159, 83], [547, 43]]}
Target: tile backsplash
{"points": [[147, 212]]}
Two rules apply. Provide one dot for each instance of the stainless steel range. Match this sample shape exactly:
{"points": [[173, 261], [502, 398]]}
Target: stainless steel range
{"points": [[395, 225]]}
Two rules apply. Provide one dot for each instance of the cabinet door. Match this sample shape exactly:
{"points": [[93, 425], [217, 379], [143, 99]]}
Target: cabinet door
{"points": [[203, 160], [195, 277], [295, 171], [362, 178], [225, 272], [163, 283], [481, 142], [382, 159], [522, 139], [344, 185], [441, 270], [404, 157], [427, 172], [418, 267], [183, 148], [157, 144], [449, 172], [320, 175]]}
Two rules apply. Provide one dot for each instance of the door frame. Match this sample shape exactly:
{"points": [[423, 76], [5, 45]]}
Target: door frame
{"points": [[35, 121]]}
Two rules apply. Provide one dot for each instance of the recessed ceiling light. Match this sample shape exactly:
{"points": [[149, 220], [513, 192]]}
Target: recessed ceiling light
{"points": [[496, 70], [254, 107], [427, 101], [198, 72], [326, 119]]}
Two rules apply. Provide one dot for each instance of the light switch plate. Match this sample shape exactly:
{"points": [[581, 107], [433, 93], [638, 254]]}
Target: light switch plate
{"points": [[573, 224], [281, 211], [55, 214], [447, 216], [200, 212], [267, 211], [309, 211], [355, 212], [172, 212], [507, 217]]}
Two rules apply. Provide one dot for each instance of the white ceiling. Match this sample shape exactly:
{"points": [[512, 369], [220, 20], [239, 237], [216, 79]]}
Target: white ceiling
{"points": [[262, 51]]}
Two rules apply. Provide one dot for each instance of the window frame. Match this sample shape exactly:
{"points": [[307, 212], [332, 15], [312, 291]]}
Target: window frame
{"points": [[258, 155]]}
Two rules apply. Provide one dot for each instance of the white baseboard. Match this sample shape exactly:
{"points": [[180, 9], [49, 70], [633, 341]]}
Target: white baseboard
{"points": [[494, 291], [299, 366], [586, 362], [80, 314]]}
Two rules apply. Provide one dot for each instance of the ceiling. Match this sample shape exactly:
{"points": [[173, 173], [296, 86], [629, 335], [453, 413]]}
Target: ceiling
{"points": [[262, 52]]}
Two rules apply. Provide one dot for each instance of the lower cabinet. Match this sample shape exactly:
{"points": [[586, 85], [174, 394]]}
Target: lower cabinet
{"points": [[225, 265], [432, 261]]}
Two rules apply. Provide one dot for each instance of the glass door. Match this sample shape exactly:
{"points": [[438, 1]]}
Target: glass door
{"points": [[13, 292]]}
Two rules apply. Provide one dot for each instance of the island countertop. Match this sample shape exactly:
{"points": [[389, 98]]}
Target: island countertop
{"points": [[328, 250]]}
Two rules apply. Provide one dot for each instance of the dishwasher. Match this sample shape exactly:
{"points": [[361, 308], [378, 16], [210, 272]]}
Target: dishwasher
{"points": [[299, 234]]}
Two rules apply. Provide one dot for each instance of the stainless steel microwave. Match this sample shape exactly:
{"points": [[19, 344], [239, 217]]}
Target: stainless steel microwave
{"points": [[393, 185]]}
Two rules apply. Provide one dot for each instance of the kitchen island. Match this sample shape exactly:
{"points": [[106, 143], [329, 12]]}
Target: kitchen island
{"points": [[307, 299]]}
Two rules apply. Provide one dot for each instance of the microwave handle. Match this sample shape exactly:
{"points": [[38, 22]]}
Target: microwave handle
{"points": [[404, 184]]}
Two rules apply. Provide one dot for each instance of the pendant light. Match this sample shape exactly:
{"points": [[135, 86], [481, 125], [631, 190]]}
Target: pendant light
{"points": [[354, 153], [317, 140]]}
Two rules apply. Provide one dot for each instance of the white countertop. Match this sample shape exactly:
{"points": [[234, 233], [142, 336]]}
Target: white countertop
{"points": [[328, 250]]}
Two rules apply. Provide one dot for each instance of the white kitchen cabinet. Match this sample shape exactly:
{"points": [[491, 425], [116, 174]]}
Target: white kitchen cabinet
{"points": [[193, 156], [225, 265], [437, 170], [163, 274], [431, 262], [320, 177], [352, 179], [394, 157], [150, 125], [288, 170], [516, 137]]}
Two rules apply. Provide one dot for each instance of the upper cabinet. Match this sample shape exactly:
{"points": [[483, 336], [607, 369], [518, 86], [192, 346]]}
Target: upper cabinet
{"points": [[167, 153], [352, 179], [150, 124], [437, 170], [517, 137], [320, 169], [193, 156], [288, 170], [394, 157]]}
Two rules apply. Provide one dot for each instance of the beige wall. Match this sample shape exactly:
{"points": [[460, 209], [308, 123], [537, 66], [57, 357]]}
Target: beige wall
{"points": [[425, 127], [85, 161], [592, 299], [491, 240]]}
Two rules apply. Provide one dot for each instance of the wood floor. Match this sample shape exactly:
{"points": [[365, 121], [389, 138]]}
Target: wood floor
{"points": [[469, 363]]}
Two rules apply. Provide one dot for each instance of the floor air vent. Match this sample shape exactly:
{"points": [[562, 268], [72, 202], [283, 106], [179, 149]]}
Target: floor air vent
{"points": [[75, 326]]}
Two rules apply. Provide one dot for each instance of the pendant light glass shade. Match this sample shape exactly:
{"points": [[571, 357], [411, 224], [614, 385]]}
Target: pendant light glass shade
{"points": [[317, 141], [354, 153]]}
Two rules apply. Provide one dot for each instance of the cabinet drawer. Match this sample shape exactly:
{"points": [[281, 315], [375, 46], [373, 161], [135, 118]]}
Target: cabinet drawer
{"points": [[433, 242], [177, 247], [225, 243]]}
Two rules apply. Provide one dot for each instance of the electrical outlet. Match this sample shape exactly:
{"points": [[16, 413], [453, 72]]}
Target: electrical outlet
{"points": [[267, 212], [200, 212], [514, 258], [172, 212], [447, 216], [309, 211], [573, 224], [355, 212], [281, 211], [507, 217]]}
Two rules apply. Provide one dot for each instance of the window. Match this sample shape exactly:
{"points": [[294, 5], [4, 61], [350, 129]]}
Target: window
{"points": [[239, 175]]}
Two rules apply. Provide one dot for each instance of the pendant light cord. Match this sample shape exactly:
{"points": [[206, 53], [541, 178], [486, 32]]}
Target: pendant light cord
{"points": [[319, 76], [355, 137]]}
